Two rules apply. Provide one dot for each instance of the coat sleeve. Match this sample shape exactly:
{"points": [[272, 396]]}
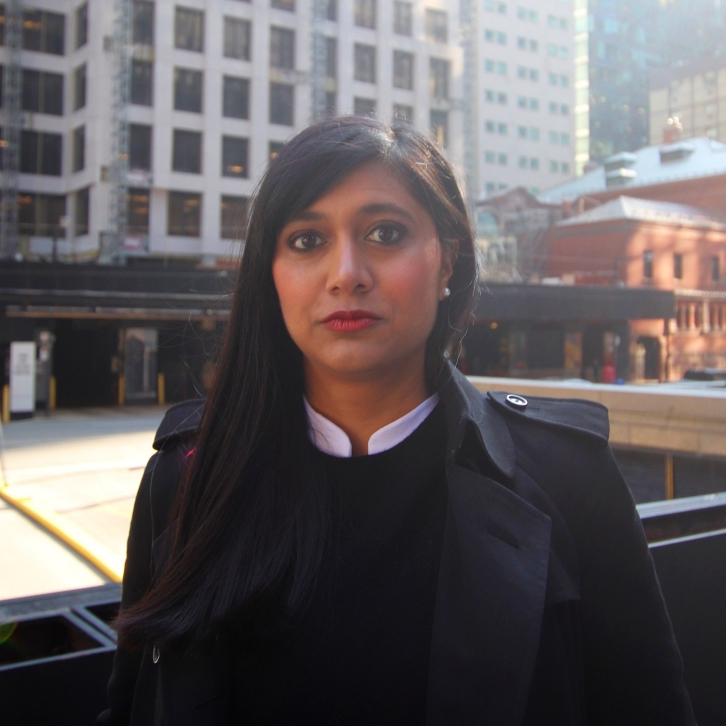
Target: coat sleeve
{"points": [[136, 580]]}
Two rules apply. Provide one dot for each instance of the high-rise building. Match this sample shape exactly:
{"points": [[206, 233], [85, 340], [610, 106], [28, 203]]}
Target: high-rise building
{"points": [[527, 71], [214, 90]]}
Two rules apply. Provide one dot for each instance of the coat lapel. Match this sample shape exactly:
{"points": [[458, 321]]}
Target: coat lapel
{"points": [[492, 580]]}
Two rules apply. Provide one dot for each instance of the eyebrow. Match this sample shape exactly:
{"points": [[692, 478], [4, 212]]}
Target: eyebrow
{"points": [[309, 215]]}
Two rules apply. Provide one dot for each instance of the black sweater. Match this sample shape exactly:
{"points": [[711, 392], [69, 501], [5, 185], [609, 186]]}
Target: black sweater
{"points": [[359, 654]]}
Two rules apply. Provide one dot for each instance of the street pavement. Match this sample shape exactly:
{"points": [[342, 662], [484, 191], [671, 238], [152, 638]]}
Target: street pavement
{"points": [[83, 465]]}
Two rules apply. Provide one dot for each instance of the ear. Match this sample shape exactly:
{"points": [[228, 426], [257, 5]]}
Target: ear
{"points": [[449, 253]]}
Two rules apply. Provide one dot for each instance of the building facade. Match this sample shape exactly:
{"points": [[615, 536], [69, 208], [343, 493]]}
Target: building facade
{"points": [[215, 89]]}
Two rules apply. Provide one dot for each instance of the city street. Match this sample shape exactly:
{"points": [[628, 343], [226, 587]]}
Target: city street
{"points": [[82, 466]]}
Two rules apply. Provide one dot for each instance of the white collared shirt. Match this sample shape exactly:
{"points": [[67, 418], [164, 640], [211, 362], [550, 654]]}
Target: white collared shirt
{"points": [[331, 439]]}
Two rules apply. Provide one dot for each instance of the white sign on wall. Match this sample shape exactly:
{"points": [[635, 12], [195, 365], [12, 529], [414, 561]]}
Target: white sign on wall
{"points": [[22, 377]]}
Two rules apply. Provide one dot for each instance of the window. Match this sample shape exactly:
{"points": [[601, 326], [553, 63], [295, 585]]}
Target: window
{"points": [[565, 167], [40, 153], [554, 107], [551, 49], [235, 97], [288, 5], [79, 148], [534, 163], [42, 92], [281, 104], [439, 78], [648, 265], [564, 81], [715, 268], [490, 126], [81, 25], [365, 13], [365, 63], [187, 151], [564, 109], [502, 98], [44, 31], [184, 214], [490, 157], [522, 13], [501, 68], [142, 82], [522, 162], [402, 18], [140, 147], [187, 90], [137, 212], [502, 159], [331, 11], [189, 29], [533, 74], [142, 22], [534, 133], [554, 167], [331, 103], [553, 79], [274, 148], [522, 102], [235, 152], [554, 136], [489, 65], [331, 58], [364, 107], [552, 21], [79, 87], [533, 16], [533, 104], [439, 125], [565, 139], [533, 45], [233, 217], [403, 113], [39, 215], [402, 69], [522, 131], [237, 38], [81, 211], [522, 43], [521, 72], [502, 129], [282, 48], [437, 26], [678, 266]]}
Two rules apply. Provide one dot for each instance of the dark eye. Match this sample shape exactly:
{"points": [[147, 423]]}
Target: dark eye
{"points": [[306, 241], [386, 234]]}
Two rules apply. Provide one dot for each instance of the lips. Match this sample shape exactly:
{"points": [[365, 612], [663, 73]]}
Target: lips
{"points": [[350, 321]]}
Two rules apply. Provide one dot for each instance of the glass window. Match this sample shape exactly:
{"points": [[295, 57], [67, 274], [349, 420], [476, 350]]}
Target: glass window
{"points": [[565, 139], [490, 157], [551, 49], [522, 162], [235, 97], [188, 90], [331, 58], [331, 103], [521, 72], [79, 87], [502, 159], [81, 211], [365, 63], [189, 29], [140, 147], [184, 214], [439, 126], [678, 266], [79, 148], [288, 5], [237, 38], [39, 215], [565, 167], [564, 109], [365, 13], [490, 126], [331, 11], [522, 131], [534, 104], [554, 136], [402, 112], [142, 82], [534, 46], [40, 153], [402, 18], [502, 98], [647, 264], [364, 107], [233, 217], [402, 69], [81, 25], [534, 163], [142, 22], [437, 26], [44, 31], [439, 78], [187, 151], [281, 104], [274, 148], [282, 48], [42, 92], [715, 268], [235, 151], [137, 211], [522, 43], [533, 74], [502, 129], [534, 133], [501, 68], [522, 102], [554, 166]]}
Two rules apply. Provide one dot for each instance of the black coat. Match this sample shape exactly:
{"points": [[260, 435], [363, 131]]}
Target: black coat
{"points": [[548, 609]]}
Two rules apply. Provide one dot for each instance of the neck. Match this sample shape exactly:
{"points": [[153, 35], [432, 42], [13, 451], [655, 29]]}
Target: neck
{"points": [[361, 406]]}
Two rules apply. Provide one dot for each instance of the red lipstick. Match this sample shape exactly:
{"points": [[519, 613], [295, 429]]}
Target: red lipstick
{"points": [[349, 321]]}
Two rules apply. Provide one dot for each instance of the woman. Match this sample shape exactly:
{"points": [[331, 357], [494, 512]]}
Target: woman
{"points": [[357, 536]]}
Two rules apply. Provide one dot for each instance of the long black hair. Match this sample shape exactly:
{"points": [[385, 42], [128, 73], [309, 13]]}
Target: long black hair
{"points": [[251, 513]]}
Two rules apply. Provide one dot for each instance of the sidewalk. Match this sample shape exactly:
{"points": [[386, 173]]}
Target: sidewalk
{"points": [[83, 468]]}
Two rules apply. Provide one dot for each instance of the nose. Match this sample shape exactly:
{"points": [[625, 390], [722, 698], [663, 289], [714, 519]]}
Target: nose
{"points": [[349, 271]]}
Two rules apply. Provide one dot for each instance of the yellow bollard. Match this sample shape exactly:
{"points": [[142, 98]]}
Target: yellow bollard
{"points": [[121, 389], [6, 404], [160, 389], [51, 394]]}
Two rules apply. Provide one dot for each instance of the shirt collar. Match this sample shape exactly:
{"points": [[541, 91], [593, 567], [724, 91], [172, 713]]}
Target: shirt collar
{"points": [[331, 439]]}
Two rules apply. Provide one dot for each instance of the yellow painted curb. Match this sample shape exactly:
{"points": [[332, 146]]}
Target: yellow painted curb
{"points": [[77, 539]]}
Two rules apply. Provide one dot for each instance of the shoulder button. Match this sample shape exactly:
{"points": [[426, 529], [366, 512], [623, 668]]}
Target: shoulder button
{"points": [[516, 401]]}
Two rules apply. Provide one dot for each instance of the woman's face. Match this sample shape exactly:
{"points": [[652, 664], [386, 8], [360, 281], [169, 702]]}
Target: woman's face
{"points": [[359, 275]]}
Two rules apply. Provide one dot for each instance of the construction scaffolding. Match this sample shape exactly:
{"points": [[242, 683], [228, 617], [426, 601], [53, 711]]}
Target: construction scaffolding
{"points": [[112, 247], [318, 61], [12, 125], [468, 19]]}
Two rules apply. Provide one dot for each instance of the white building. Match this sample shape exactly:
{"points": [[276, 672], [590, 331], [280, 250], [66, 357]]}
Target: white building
{"points": [[527, 103], [216, 87]]}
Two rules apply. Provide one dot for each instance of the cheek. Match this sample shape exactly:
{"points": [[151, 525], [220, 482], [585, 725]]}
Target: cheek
{"points": [[417, 279], [290, 290]]}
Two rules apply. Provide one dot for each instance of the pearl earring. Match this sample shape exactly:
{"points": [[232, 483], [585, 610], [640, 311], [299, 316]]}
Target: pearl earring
{"points": [[447, 292]]}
